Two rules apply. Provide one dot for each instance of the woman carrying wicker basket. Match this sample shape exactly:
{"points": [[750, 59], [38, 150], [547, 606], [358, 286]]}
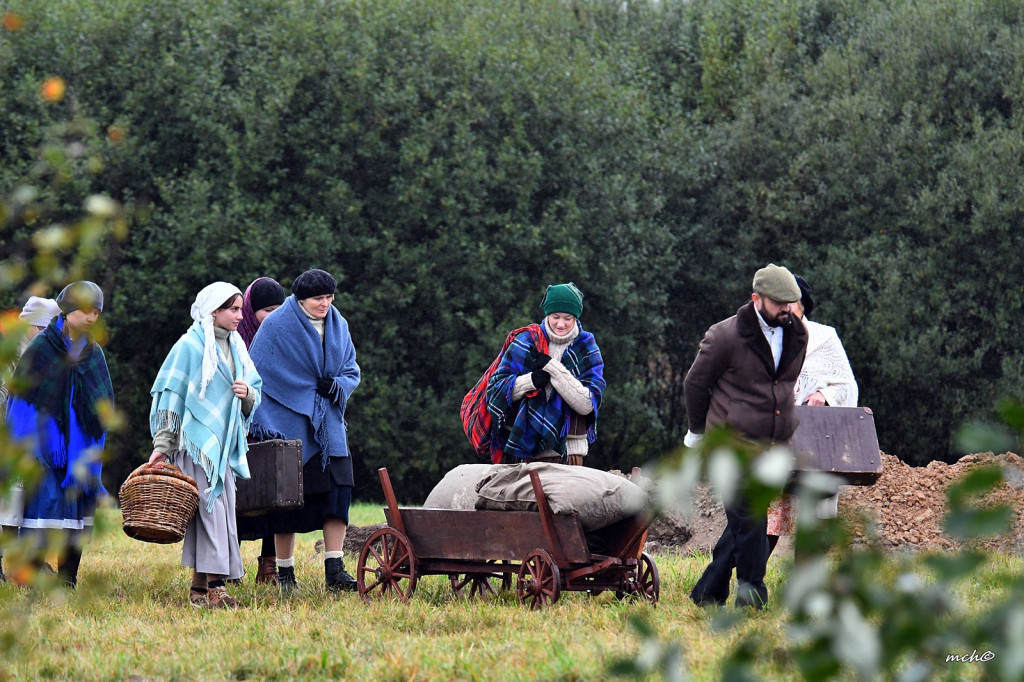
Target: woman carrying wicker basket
{"points": [[203, 400], [58, 393]]}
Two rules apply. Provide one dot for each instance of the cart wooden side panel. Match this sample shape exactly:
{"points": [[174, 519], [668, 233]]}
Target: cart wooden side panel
{"points": [[483, 535]]}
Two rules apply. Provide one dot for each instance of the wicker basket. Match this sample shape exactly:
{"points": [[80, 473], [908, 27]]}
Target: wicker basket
{"points": [[157, 503]]}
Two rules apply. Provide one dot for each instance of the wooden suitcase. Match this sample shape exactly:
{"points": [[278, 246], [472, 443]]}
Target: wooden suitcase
{"points": [[275, 467], [840, 440]]}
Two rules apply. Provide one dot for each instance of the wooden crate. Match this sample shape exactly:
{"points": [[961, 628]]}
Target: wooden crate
{"points": [[275, 484], [839, 440]]}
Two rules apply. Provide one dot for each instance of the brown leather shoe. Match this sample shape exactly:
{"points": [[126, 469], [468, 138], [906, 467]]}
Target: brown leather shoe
{"points": [[218, 598], [266, 569]]}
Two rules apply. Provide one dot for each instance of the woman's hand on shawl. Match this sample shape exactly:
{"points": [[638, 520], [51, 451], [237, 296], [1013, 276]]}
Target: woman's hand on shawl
{"points": [[325, 386], [540, 378], [157, 457], [240, 388]]}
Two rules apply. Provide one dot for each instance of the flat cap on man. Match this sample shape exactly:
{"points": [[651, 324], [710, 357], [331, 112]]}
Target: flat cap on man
{"points": [[777, 283]]}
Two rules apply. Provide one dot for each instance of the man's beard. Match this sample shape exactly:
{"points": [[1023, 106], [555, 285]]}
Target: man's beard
{"points": [[783, 319]]}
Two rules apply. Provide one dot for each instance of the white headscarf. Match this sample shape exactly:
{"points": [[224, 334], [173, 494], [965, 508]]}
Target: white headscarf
{"points": [[207, 301], [39, 312]]}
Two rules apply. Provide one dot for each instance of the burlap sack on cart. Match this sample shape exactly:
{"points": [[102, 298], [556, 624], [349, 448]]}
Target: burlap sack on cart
{"points": [[598, 497]]}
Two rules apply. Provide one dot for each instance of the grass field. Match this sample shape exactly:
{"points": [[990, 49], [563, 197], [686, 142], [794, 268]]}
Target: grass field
{"points": [[129, 620]]}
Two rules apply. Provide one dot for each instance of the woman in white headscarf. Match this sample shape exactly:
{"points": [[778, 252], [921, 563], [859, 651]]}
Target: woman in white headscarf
{"points": [[203, 400]]}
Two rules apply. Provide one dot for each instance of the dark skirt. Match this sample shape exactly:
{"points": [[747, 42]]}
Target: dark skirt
{"points": [[326, 494], [254, 527]]}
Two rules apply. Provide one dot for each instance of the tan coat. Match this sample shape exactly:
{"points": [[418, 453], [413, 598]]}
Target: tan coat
{"points": [[733, 379]]}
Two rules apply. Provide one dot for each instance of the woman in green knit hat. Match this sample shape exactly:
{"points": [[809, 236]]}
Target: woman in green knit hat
{"points": [[545, 394]]}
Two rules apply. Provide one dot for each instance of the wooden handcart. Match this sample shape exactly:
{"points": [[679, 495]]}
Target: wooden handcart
{"points": [[481, 549]]}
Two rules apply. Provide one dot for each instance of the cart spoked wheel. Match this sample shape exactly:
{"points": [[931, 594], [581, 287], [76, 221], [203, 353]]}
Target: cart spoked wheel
{"points": [[540, 581], [481, 585], [387, 566], [643, 583]]}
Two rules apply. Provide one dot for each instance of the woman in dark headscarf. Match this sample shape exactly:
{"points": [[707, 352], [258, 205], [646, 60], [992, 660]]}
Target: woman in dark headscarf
{"points": [[261, 298], [305, 355], [58, 393]]}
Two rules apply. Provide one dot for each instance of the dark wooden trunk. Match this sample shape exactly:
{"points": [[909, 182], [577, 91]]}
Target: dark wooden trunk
{"points": [[839, 440], [275, 467]]}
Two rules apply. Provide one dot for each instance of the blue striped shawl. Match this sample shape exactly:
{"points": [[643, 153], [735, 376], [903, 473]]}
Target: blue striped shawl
{"points": [[535, 423], [291, 357], [213, 429]]}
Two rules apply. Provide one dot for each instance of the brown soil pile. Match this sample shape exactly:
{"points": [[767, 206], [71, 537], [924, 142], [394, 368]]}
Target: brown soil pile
{"points": [[904, 509]]}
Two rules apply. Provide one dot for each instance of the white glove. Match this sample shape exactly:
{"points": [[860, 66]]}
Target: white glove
{"points": [[692, 440]]}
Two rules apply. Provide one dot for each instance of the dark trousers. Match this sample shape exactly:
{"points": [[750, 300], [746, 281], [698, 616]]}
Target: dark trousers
{"points": [[743, 546]]}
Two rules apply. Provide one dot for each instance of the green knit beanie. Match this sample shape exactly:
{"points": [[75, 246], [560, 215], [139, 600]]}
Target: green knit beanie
{"points": [[563, 298]]}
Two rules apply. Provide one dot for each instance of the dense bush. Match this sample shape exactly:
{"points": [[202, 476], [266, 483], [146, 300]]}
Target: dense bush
{"points": [[448, 159]]}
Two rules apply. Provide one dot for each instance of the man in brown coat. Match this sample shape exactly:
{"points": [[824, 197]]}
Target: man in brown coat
{"points": [[743, 377]]}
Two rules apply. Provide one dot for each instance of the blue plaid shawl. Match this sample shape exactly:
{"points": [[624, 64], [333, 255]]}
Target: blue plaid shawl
{"points": [[535, 423], [291, 356], [213, 428]]}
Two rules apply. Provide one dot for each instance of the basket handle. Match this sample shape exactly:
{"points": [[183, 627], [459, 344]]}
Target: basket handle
{"points": [[163, 468], [159, 465]]}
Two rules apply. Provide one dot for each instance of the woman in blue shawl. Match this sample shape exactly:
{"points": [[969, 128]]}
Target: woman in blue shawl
{"points": [[203, 400], [305, 354], [59, 390], [544, 404]]}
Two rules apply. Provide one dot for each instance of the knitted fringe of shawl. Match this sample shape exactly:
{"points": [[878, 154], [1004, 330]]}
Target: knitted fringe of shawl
{"points": [[166, 419], [258, 432], [320, 432]]}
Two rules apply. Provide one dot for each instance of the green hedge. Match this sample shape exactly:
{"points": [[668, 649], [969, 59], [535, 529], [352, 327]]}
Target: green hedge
{"points": [[447, 159]]}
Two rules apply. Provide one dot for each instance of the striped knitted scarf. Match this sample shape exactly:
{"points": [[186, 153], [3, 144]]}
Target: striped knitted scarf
{"points": [[537, 423]]}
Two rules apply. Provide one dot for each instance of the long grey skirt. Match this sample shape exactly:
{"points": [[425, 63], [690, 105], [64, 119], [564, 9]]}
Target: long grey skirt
{"points": [[211, 539]]}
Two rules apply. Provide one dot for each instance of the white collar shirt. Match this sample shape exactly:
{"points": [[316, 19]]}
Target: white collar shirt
{"points": [[774, 337]]}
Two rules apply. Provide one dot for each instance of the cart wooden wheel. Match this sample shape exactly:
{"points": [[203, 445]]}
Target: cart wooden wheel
{"points": [[481, 585], [644, 583], [540, 581], [387, 566]]}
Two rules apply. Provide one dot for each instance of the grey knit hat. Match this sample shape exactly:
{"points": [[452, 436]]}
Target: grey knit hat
{"points": [[82, 295], [777, 283], [314, 283]]}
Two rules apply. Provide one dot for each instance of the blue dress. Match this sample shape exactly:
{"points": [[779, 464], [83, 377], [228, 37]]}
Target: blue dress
{"points": [[60, 499]]}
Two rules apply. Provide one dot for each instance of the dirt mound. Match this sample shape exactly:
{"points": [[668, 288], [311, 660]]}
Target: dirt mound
{"points": [[905, 506]]}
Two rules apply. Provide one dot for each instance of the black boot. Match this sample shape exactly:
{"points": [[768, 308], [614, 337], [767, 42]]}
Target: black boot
{"points": [[337, 577], [68, 567], [286, 579]]}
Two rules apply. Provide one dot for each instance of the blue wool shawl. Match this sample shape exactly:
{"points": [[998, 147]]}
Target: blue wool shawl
{"points": [[290, 356], [213, 429], [536, 423]]}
